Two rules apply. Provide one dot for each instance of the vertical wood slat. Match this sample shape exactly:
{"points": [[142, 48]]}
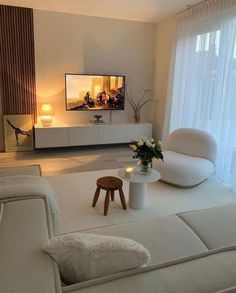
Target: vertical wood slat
{"points": [[17, 61]]}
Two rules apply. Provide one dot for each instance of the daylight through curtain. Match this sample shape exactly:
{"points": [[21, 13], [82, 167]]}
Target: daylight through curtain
{"points": [[203, 91]]}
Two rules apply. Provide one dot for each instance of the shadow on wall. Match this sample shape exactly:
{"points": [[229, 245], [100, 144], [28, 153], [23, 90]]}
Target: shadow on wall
{"points": [[117, 58], [158, 119], [104, 59]]}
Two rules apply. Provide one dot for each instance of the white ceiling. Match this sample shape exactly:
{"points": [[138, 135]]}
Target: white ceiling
{"points": [[139, 10]]}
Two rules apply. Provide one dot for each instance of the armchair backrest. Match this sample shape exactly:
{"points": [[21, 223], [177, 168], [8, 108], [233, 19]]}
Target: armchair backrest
{"points": [[193, 142]]}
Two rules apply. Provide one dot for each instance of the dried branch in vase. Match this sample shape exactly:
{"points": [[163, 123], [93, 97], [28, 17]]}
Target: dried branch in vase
{"points": [[137, 103]]}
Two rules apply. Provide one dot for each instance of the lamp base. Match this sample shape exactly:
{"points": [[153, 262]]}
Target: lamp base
{"points": [[46, 120]]}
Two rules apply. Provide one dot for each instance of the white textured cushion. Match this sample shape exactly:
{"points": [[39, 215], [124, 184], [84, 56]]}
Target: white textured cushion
{"points": [[184, 170], [87, 256]]}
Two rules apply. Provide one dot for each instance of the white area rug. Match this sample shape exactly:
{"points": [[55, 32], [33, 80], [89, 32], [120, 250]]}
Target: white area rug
{"points": [[75, 194]]}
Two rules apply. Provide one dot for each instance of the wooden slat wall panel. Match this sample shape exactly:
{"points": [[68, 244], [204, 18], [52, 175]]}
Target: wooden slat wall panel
{"points": [[17, 61]]}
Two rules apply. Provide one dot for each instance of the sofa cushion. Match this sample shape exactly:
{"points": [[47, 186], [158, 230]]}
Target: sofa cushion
{"points": [[23, 266], [215, 226], [83, 257], [206, 274], [184, 170], [166, 238]]}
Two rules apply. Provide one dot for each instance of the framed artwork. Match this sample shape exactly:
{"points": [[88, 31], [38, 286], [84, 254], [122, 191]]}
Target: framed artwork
{"points": [[18, 131]]}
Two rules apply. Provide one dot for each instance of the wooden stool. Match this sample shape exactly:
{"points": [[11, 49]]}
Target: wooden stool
{"points": [[110, 184]]}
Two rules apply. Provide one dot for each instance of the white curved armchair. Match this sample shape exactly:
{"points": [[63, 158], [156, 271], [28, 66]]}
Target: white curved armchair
{"points": [[189, 157]]}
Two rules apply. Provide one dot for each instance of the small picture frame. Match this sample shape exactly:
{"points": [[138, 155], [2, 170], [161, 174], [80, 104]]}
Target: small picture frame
{"points": [[18, 130]]}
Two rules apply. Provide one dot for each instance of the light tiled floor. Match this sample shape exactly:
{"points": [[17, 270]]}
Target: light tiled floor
{"points": [[70, 160]]}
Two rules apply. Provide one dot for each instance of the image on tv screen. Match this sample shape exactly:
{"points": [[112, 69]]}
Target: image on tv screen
{"points": [[94, 92]]}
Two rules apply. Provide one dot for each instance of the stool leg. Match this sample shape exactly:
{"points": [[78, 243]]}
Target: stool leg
{"points": [[122, 198], [96, 196], [106, 204], [112, 195]]}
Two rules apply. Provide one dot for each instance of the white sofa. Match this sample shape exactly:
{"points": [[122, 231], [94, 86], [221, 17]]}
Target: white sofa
{"points": [[191, 252]]}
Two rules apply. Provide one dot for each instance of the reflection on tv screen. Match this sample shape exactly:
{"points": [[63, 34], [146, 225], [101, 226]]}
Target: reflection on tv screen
{"points": [[94, 92]]}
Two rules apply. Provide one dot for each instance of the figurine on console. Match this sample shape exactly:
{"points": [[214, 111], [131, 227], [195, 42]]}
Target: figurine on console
{"points": [[97, 121]]}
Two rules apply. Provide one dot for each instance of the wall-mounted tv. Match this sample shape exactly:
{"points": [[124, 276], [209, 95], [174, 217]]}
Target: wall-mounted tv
{"points": [[94, 92]]}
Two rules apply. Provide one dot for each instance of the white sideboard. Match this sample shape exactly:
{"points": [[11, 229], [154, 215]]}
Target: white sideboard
{"points": [[89, 134]]}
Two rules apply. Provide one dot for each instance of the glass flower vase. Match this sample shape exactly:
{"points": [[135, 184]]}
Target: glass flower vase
{"points": [[144, 166]]}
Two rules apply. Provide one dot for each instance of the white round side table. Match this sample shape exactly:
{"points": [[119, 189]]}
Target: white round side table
{"points": [[138, 187]]}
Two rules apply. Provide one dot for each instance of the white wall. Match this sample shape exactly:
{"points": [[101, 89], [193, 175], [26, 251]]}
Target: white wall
{"points": [[83, 44], [165, 42]]}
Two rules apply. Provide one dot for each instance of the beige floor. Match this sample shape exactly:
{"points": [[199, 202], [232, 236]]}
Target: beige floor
{"points": [[70, 160]]}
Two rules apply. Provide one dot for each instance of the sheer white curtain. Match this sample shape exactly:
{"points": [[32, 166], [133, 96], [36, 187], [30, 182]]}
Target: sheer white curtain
{"points": [[203, 93]]}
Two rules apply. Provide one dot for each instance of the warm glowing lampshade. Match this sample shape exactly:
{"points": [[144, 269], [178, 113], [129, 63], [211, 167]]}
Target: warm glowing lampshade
{"points": [[46, 112], [46, 109]]}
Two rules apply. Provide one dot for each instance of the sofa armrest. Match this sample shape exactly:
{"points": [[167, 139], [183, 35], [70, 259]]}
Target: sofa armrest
{"points": [[34, 170], [25, 225]]}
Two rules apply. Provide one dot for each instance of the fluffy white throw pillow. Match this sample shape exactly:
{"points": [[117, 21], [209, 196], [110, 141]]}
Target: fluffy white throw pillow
{"points": [[83, 257]]}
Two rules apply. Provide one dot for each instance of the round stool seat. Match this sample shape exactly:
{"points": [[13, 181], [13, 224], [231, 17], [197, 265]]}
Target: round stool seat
{"points": [[109, 183]]}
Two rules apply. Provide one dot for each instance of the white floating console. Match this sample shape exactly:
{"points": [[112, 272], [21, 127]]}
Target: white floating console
{"points": [[89, 134]]}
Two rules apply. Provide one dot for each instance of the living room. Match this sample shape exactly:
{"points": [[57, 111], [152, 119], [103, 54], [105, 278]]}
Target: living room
{"points": [[82, 206]]}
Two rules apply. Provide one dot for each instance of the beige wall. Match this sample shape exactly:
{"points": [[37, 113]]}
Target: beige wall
{"points": [[72, 43], [165, 42], [82, 44]]}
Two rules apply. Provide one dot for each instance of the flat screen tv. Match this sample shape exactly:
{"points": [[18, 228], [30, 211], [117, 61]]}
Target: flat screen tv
{"points": [[94, 92]]}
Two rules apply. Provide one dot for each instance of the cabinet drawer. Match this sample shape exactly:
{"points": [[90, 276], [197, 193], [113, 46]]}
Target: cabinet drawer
{"points": [[112, 134], [83, 135], [51, 137]]}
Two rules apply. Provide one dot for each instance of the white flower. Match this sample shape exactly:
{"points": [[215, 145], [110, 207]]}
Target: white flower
{"points": [[134, 147], [149, 144], [152, 140], [140, 142]]}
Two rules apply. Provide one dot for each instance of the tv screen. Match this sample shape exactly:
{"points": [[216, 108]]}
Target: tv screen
{"points": [[94, 92]]}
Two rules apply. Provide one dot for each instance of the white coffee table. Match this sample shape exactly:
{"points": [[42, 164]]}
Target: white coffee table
{"points": [[138, 187]]}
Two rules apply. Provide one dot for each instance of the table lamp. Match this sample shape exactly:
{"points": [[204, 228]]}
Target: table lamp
{"points": [[46, 112]]}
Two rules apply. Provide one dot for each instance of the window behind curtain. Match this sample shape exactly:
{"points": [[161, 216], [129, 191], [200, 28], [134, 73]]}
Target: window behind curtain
{"points": [[204, 82]]}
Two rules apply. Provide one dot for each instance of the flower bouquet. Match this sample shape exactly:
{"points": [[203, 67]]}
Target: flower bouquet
{"points": [[146, 150]]}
